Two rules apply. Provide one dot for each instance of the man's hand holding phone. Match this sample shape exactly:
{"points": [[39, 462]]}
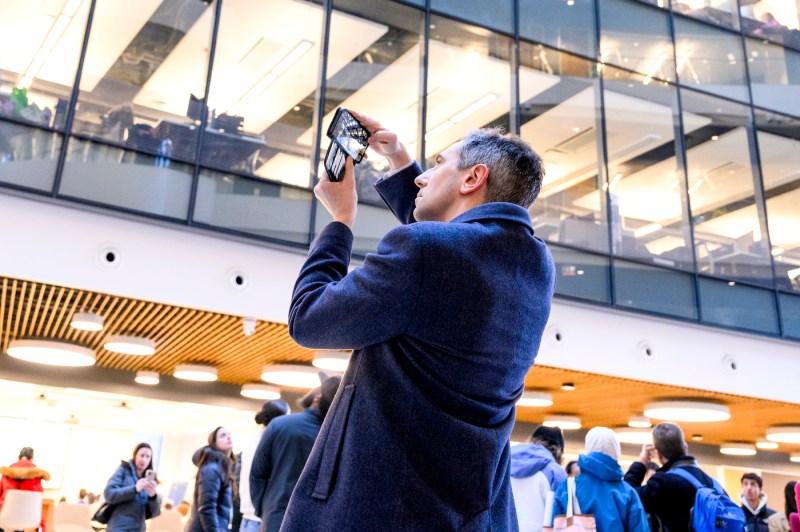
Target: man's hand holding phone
{"points": [[384, 142], [340, 198]]}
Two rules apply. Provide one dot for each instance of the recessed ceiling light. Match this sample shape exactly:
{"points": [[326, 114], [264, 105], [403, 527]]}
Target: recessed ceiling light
{"points": [[195, 372], [568, 386], [784, 434], [794, 457], [738, 449], [562, 422], [332, 360], [261, 391], [51, 352], [764, 443], [130, 345], [86, 321], [697, 437], [150, 378], [293, 375], [635, 435], [639, 422], [535, 399], [687, 410]]}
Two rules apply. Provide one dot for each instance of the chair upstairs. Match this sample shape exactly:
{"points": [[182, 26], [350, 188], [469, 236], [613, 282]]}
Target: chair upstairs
{"points": [[167, 521], [72, 518]]}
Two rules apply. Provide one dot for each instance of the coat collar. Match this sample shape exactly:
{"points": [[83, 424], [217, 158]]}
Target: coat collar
{"points": [[496, 211]]}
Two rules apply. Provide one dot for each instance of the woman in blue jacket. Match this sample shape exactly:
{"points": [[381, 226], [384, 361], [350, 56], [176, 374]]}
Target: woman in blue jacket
{"points": [[600, 489], [213, 502], [131, 494]]}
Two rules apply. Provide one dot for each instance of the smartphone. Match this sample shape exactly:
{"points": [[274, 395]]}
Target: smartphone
{"points": [[334, 161], [150, 475], [349, 133]]}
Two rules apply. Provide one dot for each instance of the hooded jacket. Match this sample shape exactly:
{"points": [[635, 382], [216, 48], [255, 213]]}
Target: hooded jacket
{"points": [[602, 492], [534, 473], [21, 475], [756, 520], [213, 500], [131, 508]]}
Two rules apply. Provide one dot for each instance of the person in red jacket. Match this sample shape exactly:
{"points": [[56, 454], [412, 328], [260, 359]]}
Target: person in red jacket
{"points": [[22, 475]]}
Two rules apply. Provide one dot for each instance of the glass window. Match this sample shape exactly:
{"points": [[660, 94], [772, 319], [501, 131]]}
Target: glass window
{"points": [[648, 211], [581, 275], [739, 306], [252, 206], [790, 315], [774, 20], [636, 37], [28, 156], [565, 25], [469, 82], [774, 76], [498, 15], [654, 289], [710, 59], [145, 63], [719, 12], [40, 44], [779, 150], [559, 110], [729, 226]]}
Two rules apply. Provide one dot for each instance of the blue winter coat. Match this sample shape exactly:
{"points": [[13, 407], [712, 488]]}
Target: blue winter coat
{"points": [[445, 320], [602, 492], [130, 508], [530, 458], [212, 504]]}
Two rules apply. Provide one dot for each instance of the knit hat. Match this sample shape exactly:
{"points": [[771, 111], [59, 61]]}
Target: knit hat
{"points": [[549, 434], [603, 440]]}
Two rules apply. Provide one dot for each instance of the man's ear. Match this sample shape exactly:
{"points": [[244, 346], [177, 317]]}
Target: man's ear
{"points": [[475, 180]]}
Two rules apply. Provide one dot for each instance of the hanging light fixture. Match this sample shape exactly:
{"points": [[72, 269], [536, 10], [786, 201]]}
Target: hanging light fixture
{"points": [[86, 321], [794, 457], [784, 433], [261, 391], [687, 410], [535, 399], [765, 444], [562, 422], [639, 422], [195, 372], [738, 449], [130, 345], [293, 375], [332, 360], [51, 352], [635, 435], [150, 378]]}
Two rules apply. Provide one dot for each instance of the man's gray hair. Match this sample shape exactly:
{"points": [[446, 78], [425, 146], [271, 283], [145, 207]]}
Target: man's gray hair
{"points": [[668, 440], [515, 170]]}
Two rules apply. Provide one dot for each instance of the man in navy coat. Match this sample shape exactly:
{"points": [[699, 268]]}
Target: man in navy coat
{"points": [[445, 320]]}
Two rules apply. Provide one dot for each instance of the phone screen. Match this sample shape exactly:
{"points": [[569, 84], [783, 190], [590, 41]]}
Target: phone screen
{"points": [[349, 133], [334, 161]]}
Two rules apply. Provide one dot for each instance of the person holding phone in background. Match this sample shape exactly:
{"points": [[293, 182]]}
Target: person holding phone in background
{"points": [[132, 492]]}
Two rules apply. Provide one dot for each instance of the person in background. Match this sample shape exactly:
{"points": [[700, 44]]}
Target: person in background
{"points": [[82, 496], [213, 494], [133, 496], [573, 469], [22, 475], [779, 521], [794, 518], [535, 473], [754, 503], [269, 411], [600, 488]]}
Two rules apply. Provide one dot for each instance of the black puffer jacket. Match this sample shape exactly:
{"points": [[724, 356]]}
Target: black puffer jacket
{"points": [[211, 511]]}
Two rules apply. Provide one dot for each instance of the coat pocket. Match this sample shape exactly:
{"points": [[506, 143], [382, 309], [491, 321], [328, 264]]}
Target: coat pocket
{"points": [[331, 452]]}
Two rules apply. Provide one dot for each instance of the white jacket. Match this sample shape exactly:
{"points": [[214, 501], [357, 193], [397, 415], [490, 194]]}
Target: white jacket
{"points": [[245, 503], [530, 498]]}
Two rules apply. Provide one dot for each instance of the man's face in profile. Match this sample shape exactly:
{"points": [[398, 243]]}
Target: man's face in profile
{"points": [[439, 187]]}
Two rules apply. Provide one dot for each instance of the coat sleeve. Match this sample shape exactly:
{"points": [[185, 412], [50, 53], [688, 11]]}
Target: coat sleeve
{"points": [[153, 507], [332, 309], [117, 490], [261, 468], [398, 191], [208, 490]]}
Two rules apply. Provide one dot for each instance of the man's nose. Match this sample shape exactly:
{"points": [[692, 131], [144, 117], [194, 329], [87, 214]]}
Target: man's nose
{"points": [[422, 179]]}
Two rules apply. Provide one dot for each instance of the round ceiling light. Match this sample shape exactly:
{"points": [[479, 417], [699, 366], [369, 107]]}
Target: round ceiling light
{"points": [[635, 435], [639, 422], [794, 457], [535, 399], [86, 321], [738, 449], [784, 434], [293, 375], [51, 352], [195, 372], [332, 360], [687, 410], [261, 391], [764, 443], [562, 422], [130, 345], [150, 378]]}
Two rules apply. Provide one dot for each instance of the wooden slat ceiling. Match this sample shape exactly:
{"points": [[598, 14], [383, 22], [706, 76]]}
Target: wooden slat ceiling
{"points": [[36, 310]]}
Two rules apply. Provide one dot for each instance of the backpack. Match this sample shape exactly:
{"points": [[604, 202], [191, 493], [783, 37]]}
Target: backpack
{"points": [[713, 509]]}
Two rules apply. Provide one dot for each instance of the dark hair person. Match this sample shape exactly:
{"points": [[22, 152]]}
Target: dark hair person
{"points": [[133, 496], [213, 489]]}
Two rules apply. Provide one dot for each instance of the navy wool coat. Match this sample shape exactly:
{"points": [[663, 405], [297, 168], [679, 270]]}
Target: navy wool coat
{"points": [[445, 320], [129, 514]]}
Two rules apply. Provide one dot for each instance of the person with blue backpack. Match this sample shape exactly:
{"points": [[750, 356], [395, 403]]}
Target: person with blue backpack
{"points": [[680, 496]]}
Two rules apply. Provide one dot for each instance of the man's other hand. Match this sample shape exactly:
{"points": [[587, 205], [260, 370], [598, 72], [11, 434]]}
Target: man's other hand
{"points": [[339, 197], [384, 142]]}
